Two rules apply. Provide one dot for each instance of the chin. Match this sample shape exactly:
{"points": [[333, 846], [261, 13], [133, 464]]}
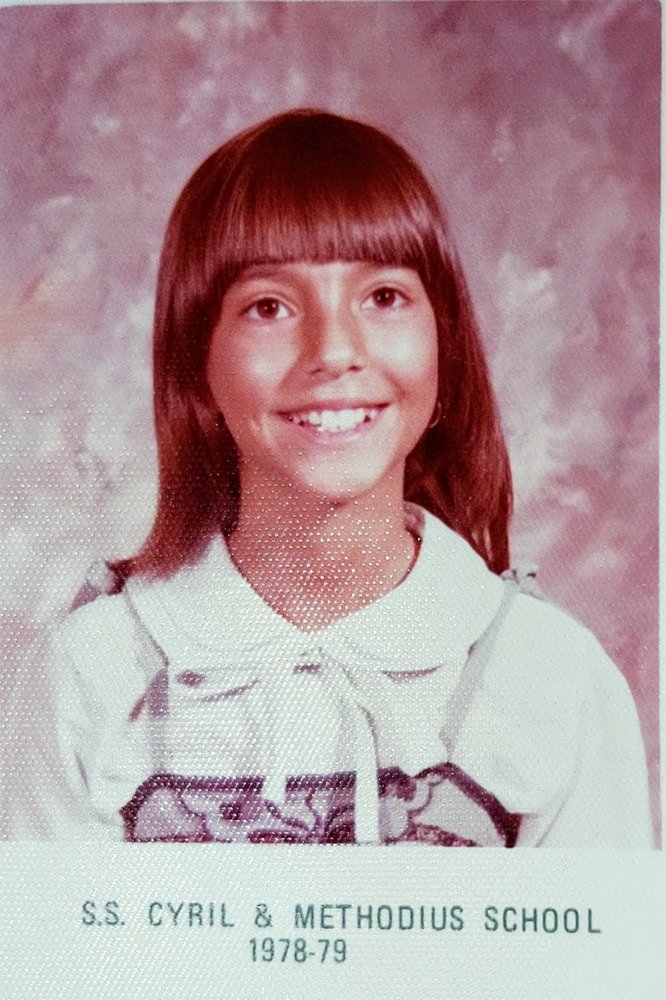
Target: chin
{"points": [[342, 491], [306, 485]]}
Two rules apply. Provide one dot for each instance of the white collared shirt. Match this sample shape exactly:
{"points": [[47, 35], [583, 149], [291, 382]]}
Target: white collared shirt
{"points": [[551, 732]]}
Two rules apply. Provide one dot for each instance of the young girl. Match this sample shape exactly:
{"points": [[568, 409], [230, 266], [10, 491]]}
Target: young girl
{"points": [[315, 644]]}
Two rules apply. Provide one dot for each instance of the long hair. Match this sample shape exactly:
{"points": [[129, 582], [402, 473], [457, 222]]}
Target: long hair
{"points": [[310, 185]]}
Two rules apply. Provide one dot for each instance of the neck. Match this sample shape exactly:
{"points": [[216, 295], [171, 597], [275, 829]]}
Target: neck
{"points": [[315, 563]]}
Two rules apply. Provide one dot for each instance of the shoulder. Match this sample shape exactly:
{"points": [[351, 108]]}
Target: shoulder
{"points": [[100, 654], [113, 615], [549, 662], [104, 626], [541, 644], [547, 688], [106, 617], [145, 621]]}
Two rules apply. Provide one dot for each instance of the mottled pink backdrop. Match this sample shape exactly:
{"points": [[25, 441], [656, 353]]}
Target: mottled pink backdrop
{"points": [[539, 124]]}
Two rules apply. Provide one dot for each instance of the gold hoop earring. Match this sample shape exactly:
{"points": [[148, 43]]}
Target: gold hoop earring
{"points": [[436, 415]]}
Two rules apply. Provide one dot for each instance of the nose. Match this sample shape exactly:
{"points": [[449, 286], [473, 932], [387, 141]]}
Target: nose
{"points": [[333, 341]]}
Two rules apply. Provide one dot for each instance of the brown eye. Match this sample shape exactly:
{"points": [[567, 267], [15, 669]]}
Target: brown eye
{"points": [[385, 297], [267, 308]]}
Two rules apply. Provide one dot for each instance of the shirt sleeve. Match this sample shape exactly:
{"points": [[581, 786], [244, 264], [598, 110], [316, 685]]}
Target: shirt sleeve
{"points": [[52, 723], [80, 737], [605, 804]]}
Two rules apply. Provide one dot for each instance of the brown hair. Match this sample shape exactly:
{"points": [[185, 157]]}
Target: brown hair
{"points": [[310, 185]]}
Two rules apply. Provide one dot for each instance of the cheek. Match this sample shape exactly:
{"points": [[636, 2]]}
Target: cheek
{"points": [[240, 375], [414, 359]]}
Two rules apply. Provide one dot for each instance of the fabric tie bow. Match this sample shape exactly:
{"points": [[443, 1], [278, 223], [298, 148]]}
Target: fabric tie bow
{"points": [[371, 694]]}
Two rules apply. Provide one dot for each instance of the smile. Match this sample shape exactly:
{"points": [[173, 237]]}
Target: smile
{"points": [[334, 421]]}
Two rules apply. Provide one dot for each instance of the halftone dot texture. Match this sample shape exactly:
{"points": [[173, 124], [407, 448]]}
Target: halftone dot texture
{"points": [[538, 124]]}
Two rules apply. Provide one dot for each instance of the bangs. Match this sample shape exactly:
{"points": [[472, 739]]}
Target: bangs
{"points": [[317, 191]]}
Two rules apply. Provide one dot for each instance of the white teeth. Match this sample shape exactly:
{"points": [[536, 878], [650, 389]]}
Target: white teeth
{"points": [[335, 420]]}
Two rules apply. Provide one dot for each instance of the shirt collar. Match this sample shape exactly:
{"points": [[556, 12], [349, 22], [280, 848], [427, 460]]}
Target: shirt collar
{"points": [[432, 618]]}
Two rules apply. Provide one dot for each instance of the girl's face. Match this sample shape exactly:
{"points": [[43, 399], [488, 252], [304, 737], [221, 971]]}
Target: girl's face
{"points": [[326, 375]]}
